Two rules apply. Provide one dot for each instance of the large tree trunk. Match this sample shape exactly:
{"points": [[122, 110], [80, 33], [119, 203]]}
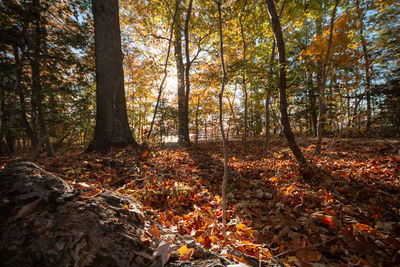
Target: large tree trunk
{"points": [[180, 70], [112, 127], [36, 81], [276, 26], [322, 109]]}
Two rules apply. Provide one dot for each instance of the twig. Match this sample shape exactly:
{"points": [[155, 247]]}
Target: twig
{"points": [[121, 180]]}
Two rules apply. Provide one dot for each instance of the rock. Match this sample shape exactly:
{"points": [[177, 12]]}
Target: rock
{"points": [[267, 195], [259, 193], [62, 229]]}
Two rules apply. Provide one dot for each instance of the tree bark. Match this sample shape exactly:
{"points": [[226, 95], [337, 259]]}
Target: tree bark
{"points": [[367, 66], [112, 126], [322, 109], [269, 88], [221, 123], [314, 119], [197, 120], [277, 29], [244, 87], [180, 67], [187, 74]]}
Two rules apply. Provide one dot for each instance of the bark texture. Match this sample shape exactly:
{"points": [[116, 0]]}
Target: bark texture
{"points": [[183, 136], [112, 127]]}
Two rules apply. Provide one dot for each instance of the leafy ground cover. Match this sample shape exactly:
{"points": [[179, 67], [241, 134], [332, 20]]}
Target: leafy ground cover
{"points": [[346, 211]]}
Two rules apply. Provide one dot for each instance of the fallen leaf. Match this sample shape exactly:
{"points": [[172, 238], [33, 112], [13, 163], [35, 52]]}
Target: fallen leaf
{"points": [[155, 232], [185, 253]]}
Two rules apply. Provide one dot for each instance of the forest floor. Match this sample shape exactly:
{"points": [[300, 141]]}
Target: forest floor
{"points": [[347, 213]]}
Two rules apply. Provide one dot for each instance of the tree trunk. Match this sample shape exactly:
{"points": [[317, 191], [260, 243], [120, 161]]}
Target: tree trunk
{"points": [[221, 124], [197, 120], [165, 71], [269, 88], [276, 26], [322, 109], [36, 81], [112, 126], [187, 72], [314, 119], [367, 66], [180, 75], [244, 87]]}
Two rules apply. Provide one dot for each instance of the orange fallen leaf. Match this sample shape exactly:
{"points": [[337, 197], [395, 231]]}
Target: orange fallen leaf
{"points": [[91, 194], [328, 221], [145, 154], [155, 232], [185, 253]]}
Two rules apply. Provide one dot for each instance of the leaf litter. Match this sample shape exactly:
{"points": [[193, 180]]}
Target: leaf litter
{"points": [[348, 212]]}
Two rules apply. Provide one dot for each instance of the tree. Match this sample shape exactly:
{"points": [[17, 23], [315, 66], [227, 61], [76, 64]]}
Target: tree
{"points": [[183, 128], [112, 127], [39, 36], [322, 109], [269, 88], [244, 85], [276, 26], [165, 71], [221, 124]]}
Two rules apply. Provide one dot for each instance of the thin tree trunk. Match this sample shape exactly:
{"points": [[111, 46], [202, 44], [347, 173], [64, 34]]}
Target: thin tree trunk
{"points": [[314, 119], [187, 72], [322, 109], [367, 66], [276, 26], [221, 123], [197, 120], [165, 71], [244, 86], [36, 81], [269, 88]]}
